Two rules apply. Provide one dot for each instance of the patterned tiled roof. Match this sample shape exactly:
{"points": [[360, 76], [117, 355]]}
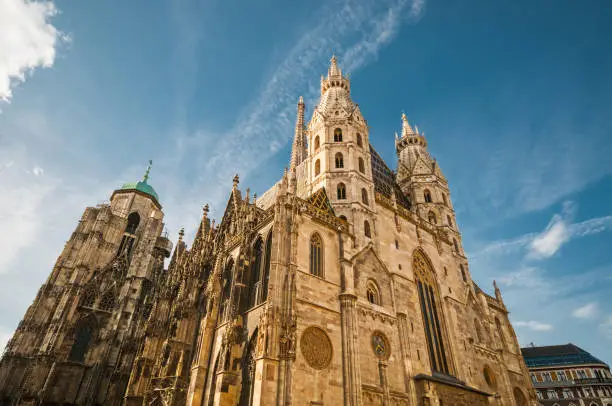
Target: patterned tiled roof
{"points": [[558, 355]]}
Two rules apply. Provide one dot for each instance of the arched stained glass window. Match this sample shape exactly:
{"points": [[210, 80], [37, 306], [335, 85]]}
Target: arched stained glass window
{"points": [[266, 273], [339, 160], [255, 282], [373, 294], [366, 229], [359, 141], [316, 255], [226, 286], [341, 191], [431, 311]]}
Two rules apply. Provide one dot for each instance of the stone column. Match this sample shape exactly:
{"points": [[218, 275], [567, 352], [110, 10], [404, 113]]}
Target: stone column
{"points": [[199, 371], [402, 326], [350, 359]]}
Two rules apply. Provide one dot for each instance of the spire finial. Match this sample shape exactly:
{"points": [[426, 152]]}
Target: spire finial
{"points": [[146, 175], [406, 129], [181, 233], [236, 181], [333, 67], [205, 210]]}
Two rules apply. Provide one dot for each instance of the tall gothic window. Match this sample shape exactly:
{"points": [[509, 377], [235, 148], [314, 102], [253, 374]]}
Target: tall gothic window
{"points": [[444, 199], [226, 288], [432, 218], [266, 273], [255, 282], [361, 165], [341, 191], [337, 135], [431, 311], [456, 245], [364, 196], [366, 229], [450, 222], [317, 143], [427, 196], [373, 293], [82, 339], [316, 255], [339, 160], [359, 141], [317, 167]]}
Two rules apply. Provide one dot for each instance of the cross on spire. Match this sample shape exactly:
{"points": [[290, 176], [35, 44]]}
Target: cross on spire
{"points": [[146, 175]]}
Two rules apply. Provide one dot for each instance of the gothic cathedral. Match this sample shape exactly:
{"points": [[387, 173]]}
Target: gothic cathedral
{"points": [[344, 284]]}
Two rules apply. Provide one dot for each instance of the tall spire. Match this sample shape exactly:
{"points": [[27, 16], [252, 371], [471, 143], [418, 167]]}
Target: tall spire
{"points": [[298, 152], [406, 129], [334, 70], [146, 175]]}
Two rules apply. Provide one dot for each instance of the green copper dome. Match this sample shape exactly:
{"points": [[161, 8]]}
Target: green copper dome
{"points": [[142, 186]]}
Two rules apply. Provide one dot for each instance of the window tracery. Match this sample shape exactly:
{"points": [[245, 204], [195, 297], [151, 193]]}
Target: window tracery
{"points": [[373, 294], [339, 160], [430, 309], [316, 257], [337, 135]]}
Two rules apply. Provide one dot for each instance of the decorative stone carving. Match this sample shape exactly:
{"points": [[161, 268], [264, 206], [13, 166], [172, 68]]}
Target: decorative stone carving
{"points": [[316, 348], [380, 345]]}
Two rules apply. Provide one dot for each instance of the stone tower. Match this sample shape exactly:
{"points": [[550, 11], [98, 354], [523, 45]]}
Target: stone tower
{"points": [[76, 342], [338, 161]]}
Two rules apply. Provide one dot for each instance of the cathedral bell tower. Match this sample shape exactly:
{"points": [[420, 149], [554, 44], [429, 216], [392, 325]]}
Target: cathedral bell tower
{"points": [[338, 154], [420, 178], [75, 344]]}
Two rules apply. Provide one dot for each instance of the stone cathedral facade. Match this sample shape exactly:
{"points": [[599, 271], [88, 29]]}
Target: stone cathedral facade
{"points": [[344, 284]]}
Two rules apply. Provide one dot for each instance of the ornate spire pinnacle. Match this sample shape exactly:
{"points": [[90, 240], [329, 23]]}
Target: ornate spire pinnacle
{"points": [[298, 151], [205, 211], [406, 129], [334, 70], [236, 181], [146, 175], [498, 294], [181, 233]]}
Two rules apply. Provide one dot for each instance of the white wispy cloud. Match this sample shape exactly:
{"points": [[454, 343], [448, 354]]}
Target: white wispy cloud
{"points": [[560, 230], [28, 40], [534, 325], [356, 31], [588, 311]]}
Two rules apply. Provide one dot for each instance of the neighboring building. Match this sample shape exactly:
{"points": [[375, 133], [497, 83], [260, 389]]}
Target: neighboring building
{"points": [[567, 375], [344, 284]]}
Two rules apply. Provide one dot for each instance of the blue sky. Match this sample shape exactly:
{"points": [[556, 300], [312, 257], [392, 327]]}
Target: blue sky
{"points": [[514, 98]]}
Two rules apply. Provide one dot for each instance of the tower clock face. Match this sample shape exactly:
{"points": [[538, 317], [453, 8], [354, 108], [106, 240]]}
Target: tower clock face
{"points": [[379, 344]]}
